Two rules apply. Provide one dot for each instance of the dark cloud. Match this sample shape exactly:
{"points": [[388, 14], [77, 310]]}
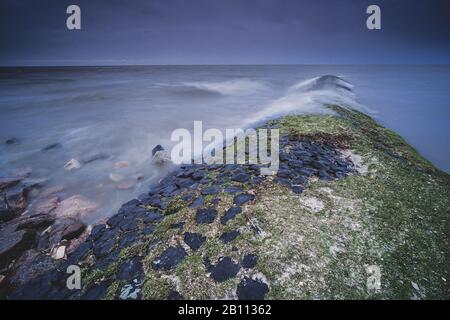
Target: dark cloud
{"points": [[223, 31]]}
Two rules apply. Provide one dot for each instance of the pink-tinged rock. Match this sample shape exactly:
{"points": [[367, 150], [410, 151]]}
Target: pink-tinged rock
{"points": [[8, 182], [76, 206], [126, 185], [59, 253], [121, 164], [46, 206], [16, 198], [75, 243], [51, 191], [116, 177]]}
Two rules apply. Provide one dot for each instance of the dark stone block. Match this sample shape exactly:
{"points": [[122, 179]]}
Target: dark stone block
{"points": [[97, 292], [156, 149], [232, 189], [152, 217], [240, 199], [205, 216], [103, 248], [230, 214], [229, 236], [241, 177], [249, 289], [197, 203], [175, 295], [225, 269], [130, 269], [128, 239], [211, 190], [52, 147], [149, 230], [169, 259], [297, 188], [194, 240], [249, 261]]}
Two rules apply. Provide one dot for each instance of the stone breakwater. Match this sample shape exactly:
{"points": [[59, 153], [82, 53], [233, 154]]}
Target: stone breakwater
{"points": [[348, 194], [199, 188]]}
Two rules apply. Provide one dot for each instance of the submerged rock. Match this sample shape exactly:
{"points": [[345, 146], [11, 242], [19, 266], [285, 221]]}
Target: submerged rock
{"points": [[76, 206], [72, 164]]}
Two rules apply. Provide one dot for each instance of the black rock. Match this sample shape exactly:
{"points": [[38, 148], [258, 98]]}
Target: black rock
{"points": [[97, 231], [197, 203], [94, 157], [211, 190], [130, 269], [12, 141], [104, 262], [324, 175], [184, 182], [229, 236], [178, 225], [232, 189], [128, 239], [249, 289], [175, 295], [169, 259], [104, 247], [284, 173], [240, 199], [152, 217], [198, 175], [194, 240], [297, 188], [156, 149], [241, 177], [205, 216], [225, 269], [52, 147], [115, 220], [128, 225], [149, 230], [249, 261], [230, 214]]}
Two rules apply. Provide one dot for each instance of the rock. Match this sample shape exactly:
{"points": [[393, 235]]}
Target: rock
{"points": [[156, 149], [241, 177], [130, 291], [46, 206], [121, 165], [232, 189], [94, 157], [74, 230], [194, 240], [175, 295], [229, 236], [103, 248], [59, 253], [148, 230], [230, 214], [72, 164], [130, 269], [240, 199], [116, 177], [197, 203], [152, 217], [97, 292], [169, 259], [297, 188], [225, 269], [161, 158], [16, 198], [249, 289], [6, 213], [210, 190], [11, 141], [34, 222], [249, 261], [8, 182], [29, 266], [13, 243], [51, 191], [205, 216], [76, 206], [52, 147]]}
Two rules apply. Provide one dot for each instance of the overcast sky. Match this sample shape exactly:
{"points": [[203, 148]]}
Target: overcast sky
{"points": [[223, 32]]}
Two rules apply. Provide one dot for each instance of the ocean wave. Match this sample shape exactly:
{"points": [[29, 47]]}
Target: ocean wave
{"points": [[229, 87], [310, 96]]}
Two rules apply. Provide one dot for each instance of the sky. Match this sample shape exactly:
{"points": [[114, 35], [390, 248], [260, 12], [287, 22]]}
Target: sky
{"points": [[116, 32]]}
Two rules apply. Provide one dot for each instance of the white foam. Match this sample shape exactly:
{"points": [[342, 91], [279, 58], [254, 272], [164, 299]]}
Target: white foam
{"points": [[230, 87]]}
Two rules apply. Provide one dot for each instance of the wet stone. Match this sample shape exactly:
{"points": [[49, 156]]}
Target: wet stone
{"points": [[128, 239], [230, 214], [241, 177], [152, 217], [197, 203], [175, 295], [249, 289], [169, 259], [130, 269], [225, 269], [103, 262], [129, 225], [249, 261], [243, 198], [210, 190], [103, 248], [232, 189], [297, 188], [148, 230], [229, 236], [205, 216], [194, 240]]}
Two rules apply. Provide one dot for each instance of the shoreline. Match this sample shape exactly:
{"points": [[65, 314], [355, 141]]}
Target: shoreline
{"points": [[224, 231]]}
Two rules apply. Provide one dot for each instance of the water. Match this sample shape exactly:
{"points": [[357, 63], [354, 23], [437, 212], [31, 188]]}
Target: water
{"points": [[123, 112]]}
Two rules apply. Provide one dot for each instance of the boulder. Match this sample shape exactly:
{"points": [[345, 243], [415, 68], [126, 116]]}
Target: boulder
{"points": [[30, 265], [76, 206], [72, 164], [169, 259], [156, 149], [251, 289], [46, 206], [59, 253], [13, 242]]}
